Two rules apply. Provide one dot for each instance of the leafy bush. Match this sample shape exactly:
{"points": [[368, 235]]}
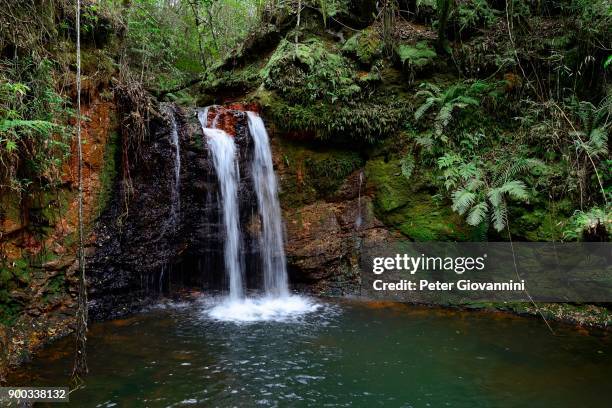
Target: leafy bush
{"points": [[581, 222], [365, 45], [417, 56], [307, 72], [472, 14], [33, 137], [480, 190]]}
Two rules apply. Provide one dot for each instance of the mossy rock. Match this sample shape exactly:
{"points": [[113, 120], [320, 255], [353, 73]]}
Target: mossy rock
{"points": [[360, 121], [310, 174], [545, 222], [425, 219], [405, 204], [366, 46], [392, 189]]}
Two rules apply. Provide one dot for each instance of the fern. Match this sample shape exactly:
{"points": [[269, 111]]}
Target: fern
{"points": [[478, 214], [515, 189], [456, 97], [41, 126], [421, 110], [480, 192], [499, 216], [463, 199], [407, 166]]}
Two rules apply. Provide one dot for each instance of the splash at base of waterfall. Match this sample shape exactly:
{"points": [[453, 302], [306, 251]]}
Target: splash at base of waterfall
{"points": [[267, 308]]}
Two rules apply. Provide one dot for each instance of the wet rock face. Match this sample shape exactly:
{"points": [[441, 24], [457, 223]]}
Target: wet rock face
{"points": [[324, 243], [139, 251]]}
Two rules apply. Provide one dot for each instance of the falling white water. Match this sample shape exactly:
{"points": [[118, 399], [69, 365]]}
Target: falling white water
{"points": [[277, 304], [203, 117], [176, 190], [215, 121], [278, 309], [223, 152], [359, 220], [271, 237]]}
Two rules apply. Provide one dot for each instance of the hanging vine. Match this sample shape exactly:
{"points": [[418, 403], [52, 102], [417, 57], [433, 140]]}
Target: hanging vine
{"points": [[80, 361]]}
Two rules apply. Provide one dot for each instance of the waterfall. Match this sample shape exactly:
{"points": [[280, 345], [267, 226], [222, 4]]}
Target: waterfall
{"points": [[271, 236], [203, 117], [277, 304], [359, 220], [176, 191], [223, 150]]}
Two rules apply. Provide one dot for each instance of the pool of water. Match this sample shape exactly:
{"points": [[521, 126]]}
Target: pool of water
{"points": [[344, 353]]}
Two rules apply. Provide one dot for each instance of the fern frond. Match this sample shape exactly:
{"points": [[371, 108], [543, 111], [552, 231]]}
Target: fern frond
{"points": [[463, 200], [423, 109], [500, 217], [444, 116], [448, 160], [407, 166], [425, 140], [495, 197], [515, 189], [466, 100], [598, 142], [478, 214]]}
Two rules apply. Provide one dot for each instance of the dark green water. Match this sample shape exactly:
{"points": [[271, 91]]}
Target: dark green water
{"points": [[345, 354]]}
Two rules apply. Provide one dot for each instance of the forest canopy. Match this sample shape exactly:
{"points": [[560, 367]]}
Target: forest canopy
{"points": [[491, 102]]}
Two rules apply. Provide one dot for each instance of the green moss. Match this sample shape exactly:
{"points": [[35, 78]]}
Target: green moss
{"points": [[366, 46], [545, 222], [109, 172], [402, 203], [13, 276], [311, 174], [242, 79], [327, 171], [355, 121], [310, 72], [424, 219], [392, 189]]}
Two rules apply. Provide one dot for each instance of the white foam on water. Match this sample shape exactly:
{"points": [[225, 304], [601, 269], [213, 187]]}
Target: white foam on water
{"points": [[275, 309]]}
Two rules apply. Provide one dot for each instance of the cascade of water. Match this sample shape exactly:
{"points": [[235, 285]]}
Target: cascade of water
{"points": [[203, 116], [271, 237], [359, 220], [176, 191], [215, 121], [223, 150]]}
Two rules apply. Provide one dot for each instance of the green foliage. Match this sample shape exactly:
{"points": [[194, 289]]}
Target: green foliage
{"points": [[366, 45], [593, 18], [12, 276], [407, 166], [356, 121], [417, 56], [473, 14], [582, 221], [170, 42], [327, 173], [592, 137], [318, 90], [480, 190], [33, 137], [454, 98], [308, 71]]}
